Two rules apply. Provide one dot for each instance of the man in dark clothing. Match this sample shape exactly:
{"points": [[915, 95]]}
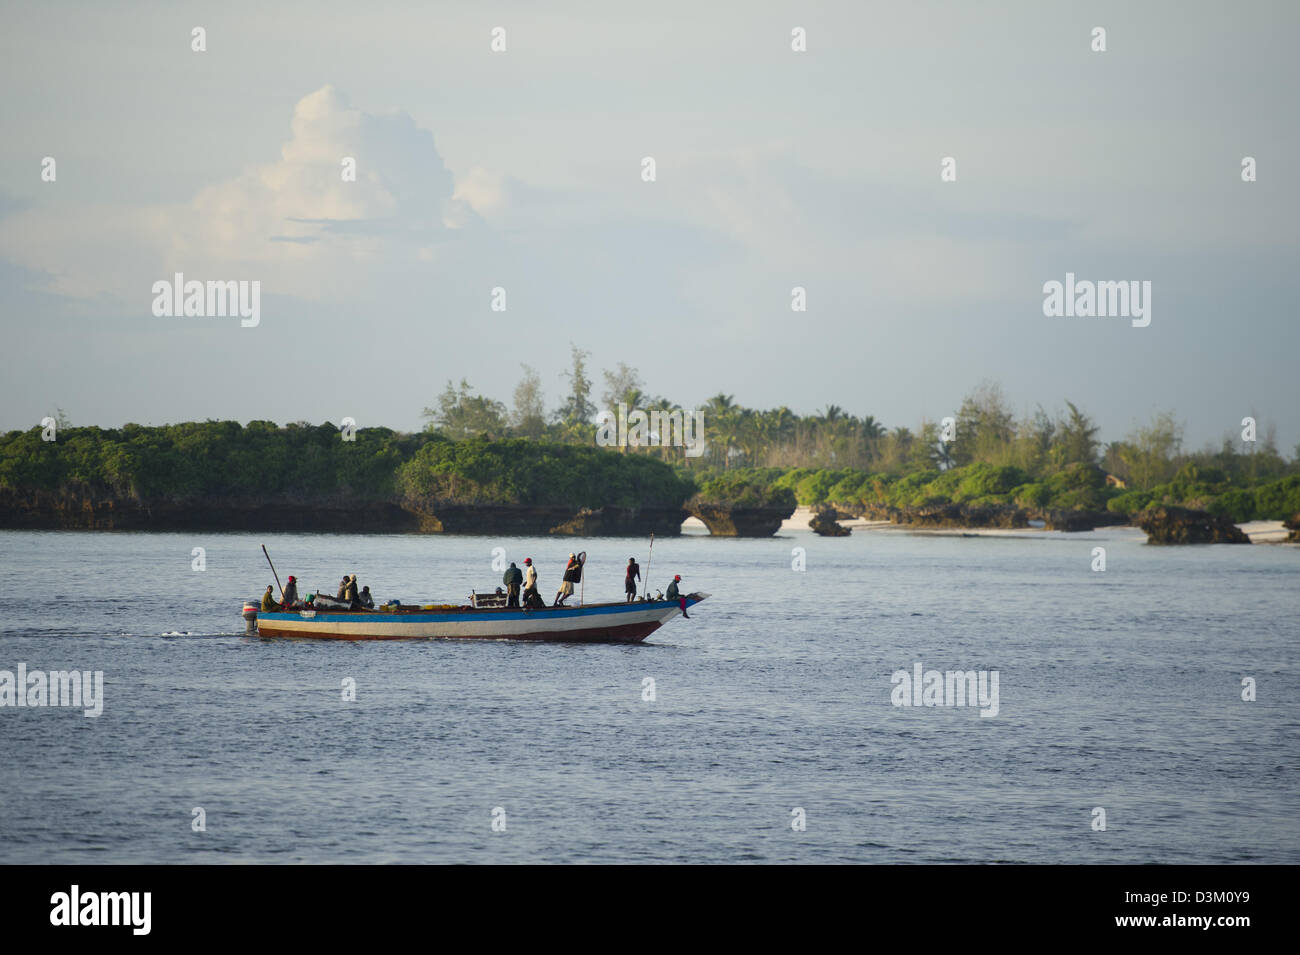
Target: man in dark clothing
{"points": [[367, 601], [290, 593], [572, 575], [675, 594], [268, 602], [513, 579], [633, 575]]}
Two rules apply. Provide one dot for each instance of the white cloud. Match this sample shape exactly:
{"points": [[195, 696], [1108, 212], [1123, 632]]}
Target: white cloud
{"points": [[293, 224]]}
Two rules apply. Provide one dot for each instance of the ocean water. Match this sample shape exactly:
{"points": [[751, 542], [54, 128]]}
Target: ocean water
{"points": [[1118, 690]]}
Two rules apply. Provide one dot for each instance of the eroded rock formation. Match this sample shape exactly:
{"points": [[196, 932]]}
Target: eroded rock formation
{"points": [[1180, 525], [724, 520], [824, 523], [1292, 524]]}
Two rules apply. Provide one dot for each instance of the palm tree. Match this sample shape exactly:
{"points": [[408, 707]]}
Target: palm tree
{"points": [[872, 433], [632, 399], [663, 450], [720, 424], [719, 404], [783, 423], [752, 434]]}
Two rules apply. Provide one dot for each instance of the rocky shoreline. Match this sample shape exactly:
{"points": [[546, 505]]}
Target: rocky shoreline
{"points": [[49, 511], [965, 516], [337, 515], [1169, 526]]}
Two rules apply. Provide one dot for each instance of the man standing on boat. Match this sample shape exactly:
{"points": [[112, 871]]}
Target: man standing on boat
{"points": [[633, 575], [572, 574], [675, 594], [531, 597], [343, 587], [290, 593], [512, 579], [350, 592]]}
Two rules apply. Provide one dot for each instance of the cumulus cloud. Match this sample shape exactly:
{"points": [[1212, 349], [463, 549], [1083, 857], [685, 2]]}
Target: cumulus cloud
{"points": [[403, 193], [294, 224]]}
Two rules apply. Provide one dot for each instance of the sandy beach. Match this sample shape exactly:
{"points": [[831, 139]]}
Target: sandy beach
{"points": [[1265, 532]]}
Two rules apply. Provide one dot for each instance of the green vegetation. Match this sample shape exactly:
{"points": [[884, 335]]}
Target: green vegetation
{"points": [[477, 451], [741, 490], [1078, 487], [519, 471], [190, 462], [1270, 501], [206, 459]]}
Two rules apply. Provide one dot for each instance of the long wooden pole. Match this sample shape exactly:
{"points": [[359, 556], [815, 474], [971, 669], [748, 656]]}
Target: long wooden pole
{"points": [[277, 576], [646, 579]]}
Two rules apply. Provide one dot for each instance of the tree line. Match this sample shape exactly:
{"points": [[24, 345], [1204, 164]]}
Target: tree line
{"points": [[475, 450], [984, 430]]}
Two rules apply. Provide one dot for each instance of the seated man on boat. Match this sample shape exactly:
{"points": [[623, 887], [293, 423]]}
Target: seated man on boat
{"points": [[513, 578], [572, 575], [290, 592], [364, 597], [268, 602], [675, 594]]}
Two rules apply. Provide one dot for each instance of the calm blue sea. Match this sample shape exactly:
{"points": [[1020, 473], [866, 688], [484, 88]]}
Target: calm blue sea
{"points": [[1119, 691]]}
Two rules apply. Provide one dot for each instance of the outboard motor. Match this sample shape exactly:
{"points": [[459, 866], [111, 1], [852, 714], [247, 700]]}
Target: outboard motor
{"points": [[250, 615]]}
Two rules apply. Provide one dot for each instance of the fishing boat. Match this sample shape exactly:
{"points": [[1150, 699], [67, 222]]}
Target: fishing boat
{"points": [[482, 619]]}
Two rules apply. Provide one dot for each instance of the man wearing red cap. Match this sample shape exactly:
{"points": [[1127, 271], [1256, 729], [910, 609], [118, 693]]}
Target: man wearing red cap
{"points": [[290, 592], [675, 594], [531, 597]]}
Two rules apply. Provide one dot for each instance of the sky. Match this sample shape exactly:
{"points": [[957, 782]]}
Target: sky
{"points": [[523, 170]]}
